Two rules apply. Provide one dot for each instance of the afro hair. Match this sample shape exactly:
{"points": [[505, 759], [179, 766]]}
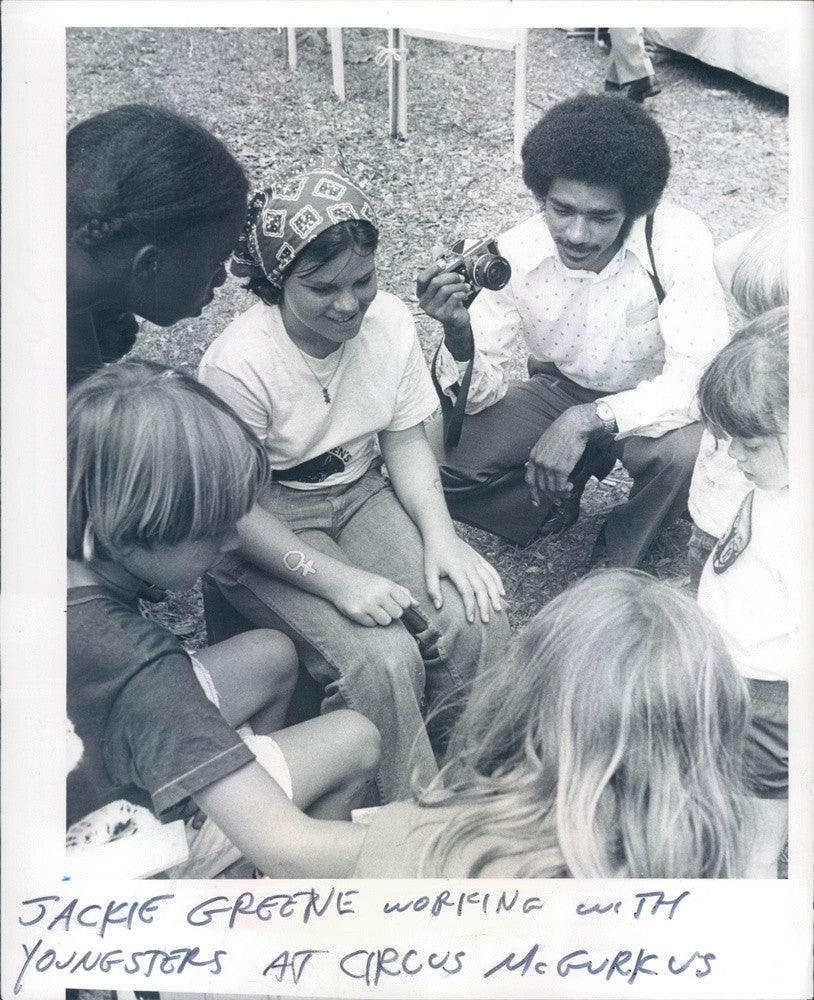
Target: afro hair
{"points": [[602, 140]]}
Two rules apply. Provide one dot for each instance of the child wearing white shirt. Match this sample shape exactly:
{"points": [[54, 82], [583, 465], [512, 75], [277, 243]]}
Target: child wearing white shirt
{"points": [[744, 395], [754, 267]]}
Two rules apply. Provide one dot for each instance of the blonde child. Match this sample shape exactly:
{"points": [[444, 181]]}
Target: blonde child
{"points": [[159, 472], [754, 267], [599, 752], [744, 395]]}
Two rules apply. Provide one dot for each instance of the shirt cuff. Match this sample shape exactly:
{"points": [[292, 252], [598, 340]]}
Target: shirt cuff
{"points": [[448, 371], [633, 420]]}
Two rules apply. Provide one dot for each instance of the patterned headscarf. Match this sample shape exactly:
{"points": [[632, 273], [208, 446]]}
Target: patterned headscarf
{"points": [[284, 218]]}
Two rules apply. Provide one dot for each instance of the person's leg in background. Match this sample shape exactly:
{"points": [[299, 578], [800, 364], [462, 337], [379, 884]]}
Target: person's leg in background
{"points": [[661, 469], [630, 68], [766, 770]]}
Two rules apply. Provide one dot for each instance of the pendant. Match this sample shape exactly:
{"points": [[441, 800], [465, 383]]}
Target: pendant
{"points": [[326, 396]]}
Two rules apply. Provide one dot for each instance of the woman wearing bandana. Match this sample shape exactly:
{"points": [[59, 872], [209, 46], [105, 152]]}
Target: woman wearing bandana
{"points": [[328, 372]]}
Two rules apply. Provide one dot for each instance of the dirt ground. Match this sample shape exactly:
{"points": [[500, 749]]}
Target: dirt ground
{"points": [[453, 176]]}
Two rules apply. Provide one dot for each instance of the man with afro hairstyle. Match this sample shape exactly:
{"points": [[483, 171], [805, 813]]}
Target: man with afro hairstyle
{"points": [[615, 298]]}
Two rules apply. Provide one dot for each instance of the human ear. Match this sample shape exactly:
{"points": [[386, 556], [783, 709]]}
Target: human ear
{"points": [[145, 264]]}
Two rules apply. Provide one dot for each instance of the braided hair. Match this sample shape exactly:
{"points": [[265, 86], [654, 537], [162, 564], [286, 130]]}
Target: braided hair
{"points": [[139, 171]]}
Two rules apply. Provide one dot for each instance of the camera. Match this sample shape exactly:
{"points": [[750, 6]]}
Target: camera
{"points": [[479, 264]]}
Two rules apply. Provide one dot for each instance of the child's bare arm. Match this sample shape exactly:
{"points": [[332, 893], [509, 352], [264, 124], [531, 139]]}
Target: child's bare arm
{"points": [[254, 812], [365, 598]]}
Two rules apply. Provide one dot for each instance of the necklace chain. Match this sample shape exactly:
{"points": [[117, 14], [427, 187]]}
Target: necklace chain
{"points": [[325, 386]]}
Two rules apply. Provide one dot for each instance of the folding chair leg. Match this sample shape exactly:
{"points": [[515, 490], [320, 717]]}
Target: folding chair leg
{"points": [[337, 61], [401, 85], [292, 47]]}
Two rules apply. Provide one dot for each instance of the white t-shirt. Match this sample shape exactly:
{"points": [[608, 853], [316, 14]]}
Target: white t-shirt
{"points": [[718, 486], [744, 586], [378, 382]]}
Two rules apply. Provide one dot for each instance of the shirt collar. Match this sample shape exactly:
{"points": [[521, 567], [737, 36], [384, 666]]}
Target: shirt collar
{"points": [[540, 246]]}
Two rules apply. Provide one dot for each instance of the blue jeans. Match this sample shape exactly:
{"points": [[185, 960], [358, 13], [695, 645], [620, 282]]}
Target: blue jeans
{"points": [[383, 672]]}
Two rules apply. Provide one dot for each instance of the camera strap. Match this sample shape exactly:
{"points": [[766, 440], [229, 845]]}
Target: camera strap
{"points": [[453, 413], [654, 277]]}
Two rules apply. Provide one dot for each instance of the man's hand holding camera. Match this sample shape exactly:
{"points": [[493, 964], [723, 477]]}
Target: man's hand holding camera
{"points": [[447, 287], [441, 294]]}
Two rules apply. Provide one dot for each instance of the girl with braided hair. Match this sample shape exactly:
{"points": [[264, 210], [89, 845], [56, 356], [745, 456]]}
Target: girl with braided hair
{"points": [[154, 206]]}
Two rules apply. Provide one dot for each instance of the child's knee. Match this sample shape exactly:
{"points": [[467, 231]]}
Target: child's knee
{"points": [[360, 740], [275, 659]]}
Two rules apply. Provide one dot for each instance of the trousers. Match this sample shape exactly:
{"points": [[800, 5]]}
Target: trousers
{"points": [[628, 57], [384, 673], [483, 477]]}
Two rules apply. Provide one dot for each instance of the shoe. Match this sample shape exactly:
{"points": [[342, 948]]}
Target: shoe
{"points": [[562, 515], [637, 90]]}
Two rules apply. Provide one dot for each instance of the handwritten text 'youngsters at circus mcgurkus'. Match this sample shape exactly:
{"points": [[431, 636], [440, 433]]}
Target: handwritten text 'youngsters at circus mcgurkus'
{"points": [[371, 962]]}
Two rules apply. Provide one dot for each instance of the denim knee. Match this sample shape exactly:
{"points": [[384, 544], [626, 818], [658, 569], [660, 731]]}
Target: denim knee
{"points": [[383, 673], [465, 647]]}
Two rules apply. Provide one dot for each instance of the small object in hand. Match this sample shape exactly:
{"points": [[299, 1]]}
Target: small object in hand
{"points": [[414, 621]]}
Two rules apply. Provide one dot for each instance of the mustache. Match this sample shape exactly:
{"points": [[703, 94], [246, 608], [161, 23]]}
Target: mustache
{"points": [[582, 248]]}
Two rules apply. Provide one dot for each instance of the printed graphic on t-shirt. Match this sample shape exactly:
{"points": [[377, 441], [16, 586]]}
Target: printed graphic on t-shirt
{"points": [[736, 538], [318, 469]]}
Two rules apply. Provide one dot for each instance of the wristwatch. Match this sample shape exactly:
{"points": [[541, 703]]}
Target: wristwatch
{"points": [[605, 414]]}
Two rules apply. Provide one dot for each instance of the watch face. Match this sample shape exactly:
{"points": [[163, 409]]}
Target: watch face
{"points": [[605, 414]]}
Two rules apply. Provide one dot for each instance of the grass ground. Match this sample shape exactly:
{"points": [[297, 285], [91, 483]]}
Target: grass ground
{"points": [[453, 176]]}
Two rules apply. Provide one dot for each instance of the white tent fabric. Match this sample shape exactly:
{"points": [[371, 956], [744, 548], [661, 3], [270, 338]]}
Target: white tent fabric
{"points": [[757, 54]]}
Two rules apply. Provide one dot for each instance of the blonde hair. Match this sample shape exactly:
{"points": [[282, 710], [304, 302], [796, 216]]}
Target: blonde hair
{"points": [[607, 745], [154, 457], [761, 278]]}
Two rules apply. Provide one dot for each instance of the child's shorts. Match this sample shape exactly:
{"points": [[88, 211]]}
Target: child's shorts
{"points": [[210, 850], [767, 743]]}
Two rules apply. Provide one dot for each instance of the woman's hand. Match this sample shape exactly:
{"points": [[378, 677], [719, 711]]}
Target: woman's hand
{"points": [[417, 484], [368, 599], [476, 580]]}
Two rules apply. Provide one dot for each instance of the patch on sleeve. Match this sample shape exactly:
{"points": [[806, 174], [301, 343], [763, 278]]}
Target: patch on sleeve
{"points": [[736, 538]]}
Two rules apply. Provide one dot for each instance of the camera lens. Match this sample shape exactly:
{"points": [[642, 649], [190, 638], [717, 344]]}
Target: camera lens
{"points": [[491, 271]]}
